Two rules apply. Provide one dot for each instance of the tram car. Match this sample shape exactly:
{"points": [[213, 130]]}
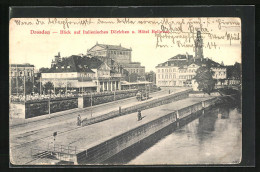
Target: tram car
{"points": [[141, 95]]}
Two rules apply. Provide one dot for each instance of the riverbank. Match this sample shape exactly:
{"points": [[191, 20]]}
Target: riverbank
{"points": [[94, 142]]}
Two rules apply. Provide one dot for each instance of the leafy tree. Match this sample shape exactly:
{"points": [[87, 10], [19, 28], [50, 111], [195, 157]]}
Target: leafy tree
{"points": [[150, 76], [133, 77], [48, 86], [236, 72], [28, 87], [43, 69], [204, 78]]}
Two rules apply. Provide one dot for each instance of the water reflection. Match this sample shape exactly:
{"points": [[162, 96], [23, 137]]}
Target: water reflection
{"points": [[213, 138]]}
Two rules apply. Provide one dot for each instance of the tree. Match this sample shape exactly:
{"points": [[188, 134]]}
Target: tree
{"points": [[43, 69], [150, 76], [28, 87], [204, 78], [132, 77], [48, 86]]}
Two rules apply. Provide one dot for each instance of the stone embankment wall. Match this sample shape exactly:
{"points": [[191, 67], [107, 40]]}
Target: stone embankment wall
{"points": [[111, 147]]}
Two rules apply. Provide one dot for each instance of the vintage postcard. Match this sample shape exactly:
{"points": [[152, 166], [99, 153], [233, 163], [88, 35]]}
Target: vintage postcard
{"points": [[125, 91]]}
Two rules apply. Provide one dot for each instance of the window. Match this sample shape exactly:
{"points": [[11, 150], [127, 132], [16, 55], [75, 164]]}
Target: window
{"points": [[62, 67], [68, 67], [162, 70], [158, 70]]}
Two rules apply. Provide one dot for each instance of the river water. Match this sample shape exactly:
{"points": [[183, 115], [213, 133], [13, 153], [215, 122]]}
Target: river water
{"points": [[213, 138]]}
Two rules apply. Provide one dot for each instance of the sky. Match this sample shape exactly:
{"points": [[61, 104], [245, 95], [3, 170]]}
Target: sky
{"points": [[40, 49]]}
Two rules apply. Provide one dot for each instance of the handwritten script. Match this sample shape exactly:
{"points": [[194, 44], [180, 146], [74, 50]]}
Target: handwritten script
{"points": [[168, 32]]}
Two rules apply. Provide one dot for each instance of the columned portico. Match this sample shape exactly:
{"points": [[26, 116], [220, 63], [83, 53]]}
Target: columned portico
{"points": [[111, 85]]}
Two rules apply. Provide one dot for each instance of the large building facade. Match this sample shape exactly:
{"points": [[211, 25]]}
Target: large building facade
{"points": [[83, 74], [19, 74], [117, 57], [180, 69]]}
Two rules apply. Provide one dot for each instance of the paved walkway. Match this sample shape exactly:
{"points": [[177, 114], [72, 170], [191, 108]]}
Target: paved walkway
{"points": [[88, 136]]}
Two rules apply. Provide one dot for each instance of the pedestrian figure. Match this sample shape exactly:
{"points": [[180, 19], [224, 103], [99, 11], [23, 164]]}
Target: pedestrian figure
{"points": [[139, 115], [119, 110], [79, 121], [169, 91]]}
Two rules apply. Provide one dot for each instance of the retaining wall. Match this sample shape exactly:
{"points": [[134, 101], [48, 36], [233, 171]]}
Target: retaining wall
{"points": [[109, 148], [107, 97], [38, 108]]}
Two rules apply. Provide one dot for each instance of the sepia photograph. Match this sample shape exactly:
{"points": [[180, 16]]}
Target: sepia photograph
{"points": [[125, 91]]}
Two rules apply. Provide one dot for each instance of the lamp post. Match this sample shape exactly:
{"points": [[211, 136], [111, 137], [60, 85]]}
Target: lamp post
{"points": [[16, 81], [24, 88], [91, 104], [40, 85]]}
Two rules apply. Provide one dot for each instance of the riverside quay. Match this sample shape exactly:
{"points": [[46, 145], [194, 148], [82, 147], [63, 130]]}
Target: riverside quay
{"points": [[60, 140], [126, 104]]}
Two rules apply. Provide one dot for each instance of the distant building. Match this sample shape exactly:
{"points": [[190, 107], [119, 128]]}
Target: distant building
{"points": [[135, 67], [180, 70], [234, 74], [118, 53], [83, 74], [22, 70], [19, 74], [117, 57]]}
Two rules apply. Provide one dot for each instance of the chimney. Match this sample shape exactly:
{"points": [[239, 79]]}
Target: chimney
{"points": [[96, 43], [59, 54], [120, 44]]}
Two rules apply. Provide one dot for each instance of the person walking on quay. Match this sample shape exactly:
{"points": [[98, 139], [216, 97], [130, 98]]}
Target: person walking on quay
{"points": [[79, 120], [139, 115]]}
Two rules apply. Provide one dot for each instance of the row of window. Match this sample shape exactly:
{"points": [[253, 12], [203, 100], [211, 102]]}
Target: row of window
{"points": [[173, 83], [220, 73], [62, 67], [119, 52], [174, 76], [135, 70], [187, 71], [186, 77], [166, 76], [174, 70], [167, 70], [21, 73]]}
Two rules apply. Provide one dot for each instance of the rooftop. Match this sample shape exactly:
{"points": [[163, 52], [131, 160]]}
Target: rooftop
{"points": [[185, 60], [22, 65], [111, 47]]}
